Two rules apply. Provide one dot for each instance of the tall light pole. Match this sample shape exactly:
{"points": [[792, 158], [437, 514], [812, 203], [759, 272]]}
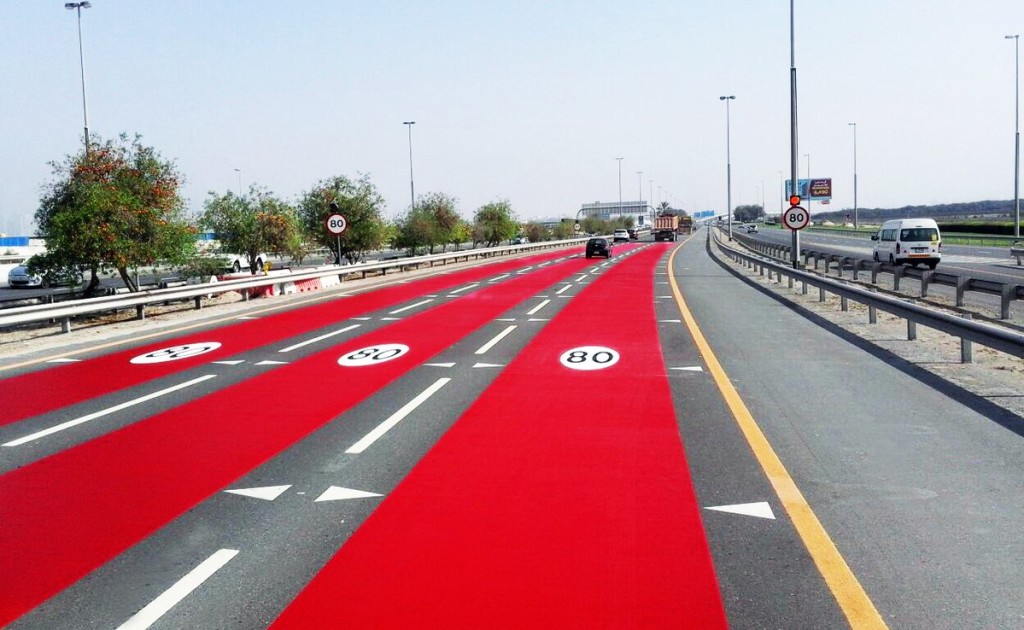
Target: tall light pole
{"points": [[78, 6], [1016, 136], [640, 187], [239, 171], [795, 240], [412, 188], [728, 163], [620, 185], [855, 222]]}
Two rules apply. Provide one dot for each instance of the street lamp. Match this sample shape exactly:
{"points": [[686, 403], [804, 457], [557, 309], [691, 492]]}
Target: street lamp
{"points": [[1016, 136], [854, 125], [728, 163], [620, 185], [639, 188], [412, 188], [78, 6]]}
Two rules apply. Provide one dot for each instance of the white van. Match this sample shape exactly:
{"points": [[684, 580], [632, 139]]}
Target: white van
{"points": [[912, 241]]}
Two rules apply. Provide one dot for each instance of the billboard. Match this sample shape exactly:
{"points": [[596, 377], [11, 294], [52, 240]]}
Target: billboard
{"points": [[817, 189]]}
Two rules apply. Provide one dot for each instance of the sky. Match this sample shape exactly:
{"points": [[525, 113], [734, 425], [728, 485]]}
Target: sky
{"points": [[528, 101]]}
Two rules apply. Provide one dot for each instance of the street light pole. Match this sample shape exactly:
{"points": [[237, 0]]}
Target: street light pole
{"points": [[412, 187], [1016, 136], [855, 222], [620, 185], [728, 163], [78, 6]]}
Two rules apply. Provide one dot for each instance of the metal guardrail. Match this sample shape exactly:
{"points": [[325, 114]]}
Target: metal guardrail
{"points": [[64, 312], [1006, 292], [967, 330]]}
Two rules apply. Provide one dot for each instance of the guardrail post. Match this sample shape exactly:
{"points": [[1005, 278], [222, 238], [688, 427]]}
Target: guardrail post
{"points": [[966, 345], [911, 326], [1005, 295], [844, 303], [821, 294], [897, 274], [856, 268], [65, 325], [199, 302], [926, 279], [803, 291], [875, 269], [962, 284], [140, 312]]}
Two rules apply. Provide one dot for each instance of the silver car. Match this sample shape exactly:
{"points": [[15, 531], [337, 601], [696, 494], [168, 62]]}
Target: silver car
{"points": [[21, 277]]}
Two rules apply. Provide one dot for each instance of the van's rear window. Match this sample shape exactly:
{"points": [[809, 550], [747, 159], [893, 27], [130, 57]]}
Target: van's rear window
{"points": [[919, 234]]}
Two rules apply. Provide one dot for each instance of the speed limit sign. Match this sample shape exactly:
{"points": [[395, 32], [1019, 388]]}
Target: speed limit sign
{"points": [[796, 218], [336, 224]]}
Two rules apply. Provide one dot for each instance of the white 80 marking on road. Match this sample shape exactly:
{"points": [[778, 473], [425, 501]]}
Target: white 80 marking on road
{"points": [[373, 355], [589, 358], [184, 351]]}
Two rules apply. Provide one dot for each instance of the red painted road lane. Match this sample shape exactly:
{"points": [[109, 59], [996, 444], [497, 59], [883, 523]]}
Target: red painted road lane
{"points": [[65, 515], [561, 498], [35, 393]]}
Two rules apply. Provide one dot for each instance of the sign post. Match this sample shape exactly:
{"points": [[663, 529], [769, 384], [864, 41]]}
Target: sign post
{"points": [[336, 224]]}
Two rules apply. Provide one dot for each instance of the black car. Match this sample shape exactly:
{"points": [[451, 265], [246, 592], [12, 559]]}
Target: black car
{"points": [[599, 247]]}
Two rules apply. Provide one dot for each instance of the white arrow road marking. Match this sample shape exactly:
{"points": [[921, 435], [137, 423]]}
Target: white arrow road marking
{"points": [[229, 362], [440, 364], [534, 310], [320, 338], [267, 493], [691, 368], [63, 360], [410, 307], [270, 362], [487, 365], [337, 493], [493, 342], [396, 417], [179, 591], [760, 510], [100, 414]]}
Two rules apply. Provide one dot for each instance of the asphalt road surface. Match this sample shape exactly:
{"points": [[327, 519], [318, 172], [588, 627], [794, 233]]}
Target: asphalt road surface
{"points": [[550, 441]]}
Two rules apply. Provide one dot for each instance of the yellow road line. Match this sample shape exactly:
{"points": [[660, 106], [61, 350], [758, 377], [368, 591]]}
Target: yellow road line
{"points": [[850, 595]]}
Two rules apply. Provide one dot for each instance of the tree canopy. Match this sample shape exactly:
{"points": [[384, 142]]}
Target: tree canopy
{"points": [[258, 223], [116, 205], [361, 205], [494, 222]]}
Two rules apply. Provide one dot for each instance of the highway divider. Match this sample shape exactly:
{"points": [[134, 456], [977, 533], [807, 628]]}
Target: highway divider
{"points": [[275, 284], [966, 329]]}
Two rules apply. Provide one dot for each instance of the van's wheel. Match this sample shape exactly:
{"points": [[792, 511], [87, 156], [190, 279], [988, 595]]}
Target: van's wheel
{"points": [[892, 260], [932, 264], [236, 267]]}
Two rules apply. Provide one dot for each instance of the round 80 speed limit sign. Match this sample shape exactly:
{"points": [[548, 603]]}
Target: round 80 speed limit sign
{"points": [[796, 218]]}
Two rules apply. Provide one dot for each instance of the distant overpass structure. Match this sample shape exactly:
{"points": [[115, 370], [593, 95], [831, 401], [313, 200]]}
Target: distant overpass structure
{"points": [[641, 211]]}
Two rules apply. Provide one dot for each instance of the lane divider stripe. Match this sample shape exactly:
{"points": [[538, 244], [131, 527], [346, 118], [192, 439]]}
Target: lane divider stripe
{"points": [[493, 342], [320, 338], [396, 417]]}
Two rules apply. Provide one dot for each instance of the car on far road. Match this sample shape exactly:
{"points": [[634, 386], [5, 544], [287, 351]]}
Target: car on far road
{"points": [[620, 236], [751, 229], [20, 276], [599, 247]]}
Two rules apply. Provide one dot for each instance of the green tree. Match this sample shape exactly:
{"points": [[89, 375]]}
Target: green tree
{"points": [[463, 233], [535, 232], [564, 230], [256, 224], [114, 206], [749, 213], [494, 222], [361, 205], [431, 223]]}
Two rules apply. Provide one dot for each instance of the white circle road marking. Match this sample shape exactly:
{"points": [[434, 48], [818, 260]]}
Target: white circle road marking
{"points": [[373, 355], [184, 351], [589, 358]]}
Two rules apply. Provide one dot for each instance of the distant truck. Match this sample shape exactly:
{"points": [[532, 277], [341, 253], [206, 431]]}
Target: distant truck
{"points": [[665, 227], [685, 225]]}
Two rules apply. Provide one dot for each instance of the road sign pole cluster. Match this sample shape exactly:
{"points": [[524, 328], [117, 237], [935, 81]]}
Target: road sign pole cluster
{"points": [[336, 224]]}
